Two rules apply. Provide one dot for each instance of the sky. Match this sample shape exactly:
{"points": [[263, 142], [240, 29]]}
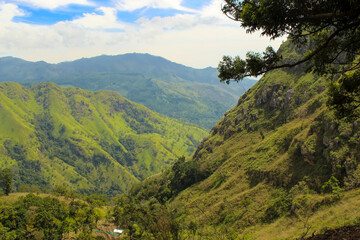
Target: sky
{"points": [[191, 32]]}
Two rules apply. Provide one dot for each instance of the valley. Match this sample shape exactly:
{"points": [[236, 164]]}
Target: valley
{"points": [[279, 165], [134, 146]]}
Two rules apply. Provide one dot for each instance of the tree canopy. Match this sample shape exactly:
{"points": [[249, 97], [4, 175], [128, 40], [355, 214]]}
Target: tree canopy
{"points": [[7, 180], [331, 29]]}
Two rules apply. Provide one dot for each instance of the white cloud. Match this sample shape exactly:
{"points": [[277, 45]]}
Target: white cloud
{"points": [[20, 35], [105, 21], [178, 22], [131, 5], [197, 39], [213, 10], [8, 11], [210, 15], [53, 4], [84, 32]]}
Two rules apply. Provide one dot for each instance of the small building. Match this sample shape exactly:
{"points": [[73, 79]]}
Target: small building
{"points": [[119, 231]]}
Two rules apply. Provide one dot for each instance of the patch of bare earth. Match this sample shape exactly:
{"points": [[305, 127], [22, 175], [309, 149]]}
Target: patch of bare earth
{"points": [[343, 233]]}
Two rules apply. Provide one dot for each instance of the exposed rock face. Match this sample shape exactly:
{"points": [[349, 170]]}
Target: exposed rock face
{"points": [[267, 100], [328, 142], [289, 94], [267, 107], [274, 97], [268, 95]]}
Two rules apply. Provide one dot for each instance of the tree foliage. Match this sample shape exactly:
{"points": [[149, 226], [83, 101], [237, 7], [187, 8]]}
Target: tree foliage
{"points": [[35, 217], [330, 29], [145, 221], [344, 96], [7, 180], [185, 174]]}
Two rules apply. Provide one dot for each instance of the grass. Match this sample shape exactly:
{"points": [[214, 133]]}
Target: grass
{"points": [[345, 212]]}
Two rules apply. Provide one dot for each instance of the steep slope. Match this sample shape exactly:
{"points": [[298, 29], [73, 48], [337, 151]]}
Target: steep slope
{"points": [[272, 168], [88, 141], [194, 95]]}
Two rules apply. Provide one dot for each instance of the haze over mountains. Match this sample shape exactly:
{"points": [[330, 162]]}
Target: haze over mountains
{"points": [[193, 95]]}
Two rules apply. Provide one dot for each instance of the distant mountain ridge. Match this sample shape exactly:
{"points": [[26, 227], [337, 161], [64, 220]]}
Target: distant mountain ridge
{"points": [[87, 141], [194, 95], [141, 63], [135, 63]]}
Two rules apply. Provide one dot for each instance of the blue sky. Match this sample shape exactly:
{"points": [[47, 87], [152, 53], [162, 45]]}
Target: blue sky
{"points": [[46, 16], [190, 32]]}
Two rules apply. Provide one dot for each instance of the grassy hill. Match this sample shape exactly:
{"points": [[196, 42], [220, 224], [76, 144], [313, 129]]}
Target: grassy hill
{"points": [[87, 141], [278, 165], [193, 95]]}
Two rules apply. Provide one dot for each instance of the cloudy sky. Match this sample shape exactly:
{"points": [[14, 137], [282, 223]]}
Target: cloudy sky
{"points": [[191, 32]]}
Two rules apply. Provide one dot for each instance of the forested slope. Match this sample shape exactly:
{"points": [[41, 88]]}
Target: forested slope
{"points": [[87, 141], [278, 165]]}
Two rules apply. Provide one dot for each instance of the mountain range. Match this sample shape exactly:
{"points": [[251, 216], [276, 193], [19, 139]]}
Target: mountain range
{"points": [[278, 165], [193, 95]]}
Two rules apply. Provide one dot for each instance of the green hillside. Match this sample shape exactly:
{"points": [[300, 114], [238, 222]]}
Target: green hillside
{"points": [[278, 165], [86, 141], [193, 95]]}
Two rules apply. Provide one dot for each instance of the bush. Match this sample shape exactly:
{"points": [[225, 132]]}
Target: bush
{"points": [[332, 186], [185, 174]]}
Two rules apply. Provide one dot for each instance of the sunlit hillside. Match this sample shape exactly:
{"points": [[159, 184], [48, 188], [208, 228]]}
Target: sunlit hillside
{"points": [[87, 141]]}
